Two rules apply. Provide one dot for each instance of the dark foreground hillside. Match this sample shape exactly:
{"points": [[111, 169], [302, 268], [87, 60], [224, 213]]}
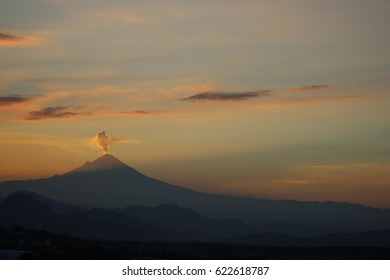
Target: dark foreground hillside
{"points": [[44, 245]]}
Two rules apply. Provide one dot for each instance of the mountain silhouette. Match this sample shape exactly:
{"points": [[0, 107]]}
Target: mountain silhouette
{"points": [[300, 230], [165, 222], [189, 223], [54, 205], [24, 209], [108, 182], [104, 163]]}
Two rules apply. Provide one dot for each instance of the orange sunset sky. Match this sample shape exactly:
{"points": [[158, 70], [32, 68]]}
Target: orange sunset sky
{"points": [[274, 99]]}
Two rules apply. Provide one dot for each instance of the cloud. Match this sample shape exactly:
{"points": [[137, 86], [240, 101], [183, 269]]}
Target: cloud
{"points": [[239, 96], [318, 100], [60, 112], [6, 101], [11, 39], [226, 96], [69, 144], [137, 113], [295, 182], [306, 88]]}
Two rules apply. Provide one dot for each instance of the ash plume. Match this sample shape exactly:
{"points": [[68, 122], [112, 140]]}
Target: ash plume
{"points": [[102, 140]]}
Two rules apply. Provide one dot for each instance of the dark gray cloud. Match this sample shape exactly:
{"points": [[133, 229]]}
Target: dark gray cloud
{"points": [[239, 96], [11, 100], [226, 96], [309, 88], [9, 37], [60, 112]]}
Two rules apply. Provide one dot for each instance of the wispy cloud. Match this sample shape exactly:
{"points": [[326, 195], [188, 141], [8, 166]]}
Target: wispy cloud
{"points": [[195, 88], [11, 39], [317, 100], [6, 101], [226, 96], [137, 113], [60, 112], [210, 95], [306, 88], [295, 182], [70, 144]]}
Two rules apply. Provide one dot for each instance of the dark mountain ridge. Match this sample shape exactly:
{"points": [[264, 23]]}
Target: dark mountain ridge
{"points": [[166, 223], [108, 183]]}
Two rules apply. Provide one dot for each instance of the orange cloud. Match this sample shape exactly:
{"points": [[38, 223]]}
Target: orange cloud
{"points": [[298, 102], [138, 112], [8, 39], [370, 173], [196, 88], [85, 96], [295, 182], [69, 144]]}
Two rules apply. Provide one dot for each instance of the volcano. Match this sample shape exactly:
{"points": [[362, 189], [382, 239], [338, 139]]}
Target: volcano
{"points": [[108, 182], [105, 182]]}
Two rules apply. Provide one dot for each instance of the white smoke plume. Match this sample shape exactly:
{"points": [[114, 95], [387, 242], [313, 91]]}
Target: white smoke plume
{"points": [[102, 140]]}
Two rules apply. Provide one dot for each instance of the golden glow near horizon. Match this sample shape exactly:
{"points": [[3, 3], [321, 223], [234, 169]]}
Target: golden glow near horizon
{"points": [[279, 100]]}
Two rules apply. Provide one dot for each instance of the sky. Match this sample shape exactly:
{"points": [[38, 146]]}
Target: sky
{"points": [[273, 99]]}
